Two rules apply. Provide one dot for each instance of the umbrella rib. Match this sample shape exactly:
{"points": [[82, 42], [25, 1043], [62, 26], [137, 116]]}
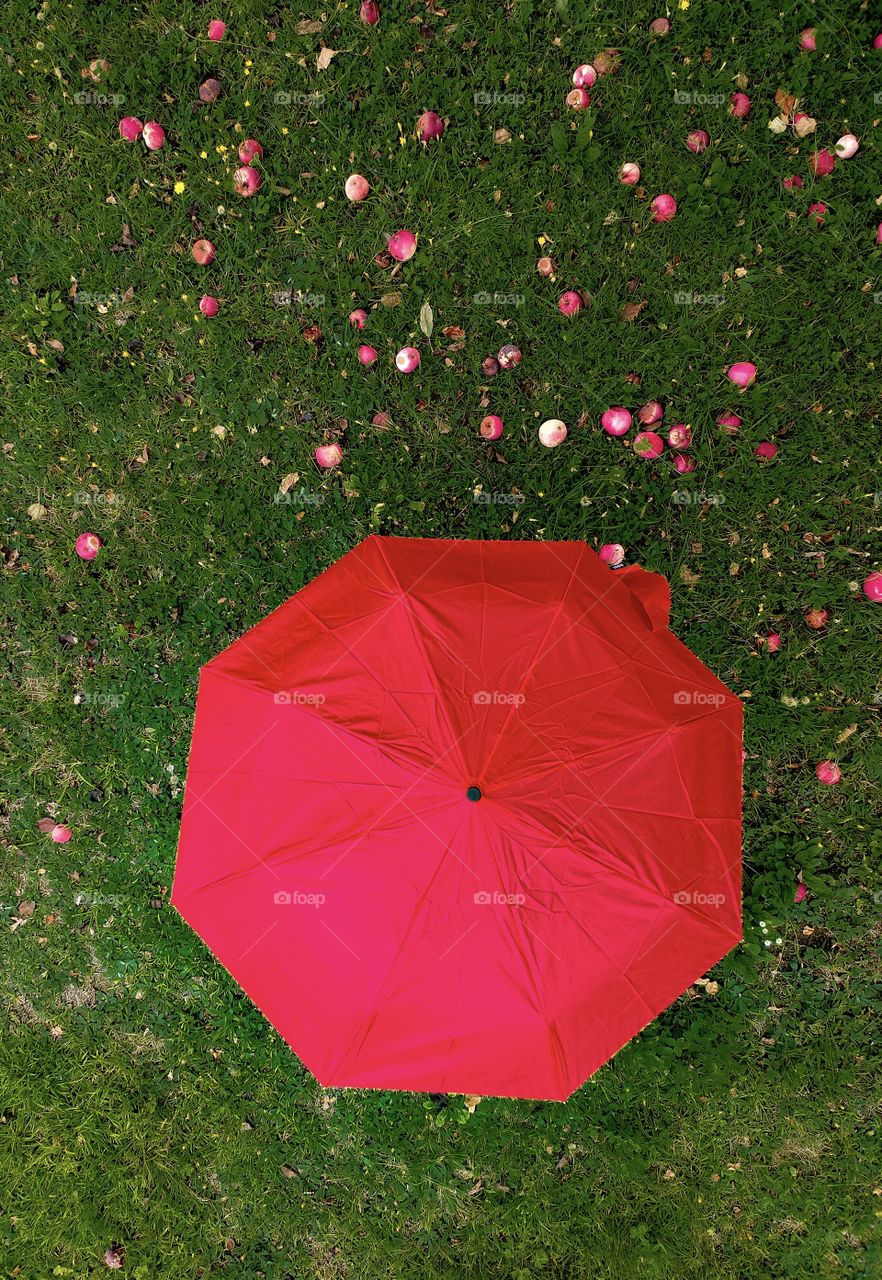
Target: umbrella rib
{"points": [[532, 664]]}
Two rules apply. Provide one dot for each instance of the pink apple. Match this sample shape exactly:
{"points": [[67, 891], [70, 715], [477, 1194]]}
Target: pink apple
{"points": [[570, 302], [584, 76], [356, 187], [329, 455], [684, 463], [246, 181], [209, 90], [358, 317], [491, 427], [616, 421], [552, 433], [402, 245], [216, 29], [649, 445], [509, 356], [369, 12], [680, 436], [730, 422], [612, 553], [578, 99], [208, 305], [828, 773], [817, 210], [873, 586], [847, 146], [793, 181], [697, 141], [87, 546], [664, 208], [546, 266], [739, 106], [766, 451], [153, 135], [367, 355], [772, 642], [807, 39], [650, 413], [203, 252], [822, 162], [742, 374], [130, 128], [61, 833], [250, 150], [429, 126], [629, 174], [660, 26], [407, 359]]}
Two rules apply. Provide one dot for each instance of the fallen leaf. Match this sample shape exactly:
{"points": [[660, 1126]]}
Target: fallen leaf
{"points": [[308, 27], [846, 733], [324, 58], [427, 319], [54, 344], [288, 481], [631, 310], [37, 511], [391, 299], [501, 135]]}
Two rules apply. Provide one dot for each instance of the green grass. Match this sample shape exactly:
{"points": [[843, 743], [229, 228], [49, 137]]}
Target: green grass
{"points": [[143, 1099]]}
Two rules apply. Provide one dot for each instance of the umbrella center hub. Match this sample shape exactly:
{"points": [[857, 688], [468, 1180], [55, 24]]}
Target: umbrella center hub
{"points": [[473, 793]]}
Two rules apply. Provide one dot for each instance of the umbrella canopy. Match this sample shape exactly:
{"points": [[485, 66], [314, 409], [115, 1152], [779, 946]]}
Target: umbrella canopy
{"points": [[463, 816]]}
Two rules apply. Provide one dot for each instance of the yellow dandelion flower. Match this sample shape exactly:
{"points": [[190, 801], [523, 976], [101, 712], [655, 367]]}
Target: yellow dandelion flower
{"points": [[179, 188]]}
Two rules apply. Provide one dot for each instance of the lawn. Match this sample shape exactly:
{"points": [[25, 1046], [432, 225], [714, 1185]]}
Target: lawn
{"points": [[147, 1107]]}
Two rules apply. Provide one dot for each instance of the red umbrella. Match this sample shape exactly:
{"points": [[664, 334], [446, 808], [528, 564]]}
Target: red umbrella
{"points": [[463, 816]]}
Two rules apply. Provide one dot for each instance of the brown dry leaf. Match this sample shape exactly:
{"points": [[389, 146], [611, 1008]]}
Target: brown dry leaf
{"points": [[54, 344], [288, 1171], [308, 27], [805, 126], [288, 481], [686, 574], [453, 331], [37, 511], [324, 59], [631, 310], [846, 733], [785, 102], [501, 135], [391, 299], [741, 80]]}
